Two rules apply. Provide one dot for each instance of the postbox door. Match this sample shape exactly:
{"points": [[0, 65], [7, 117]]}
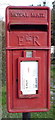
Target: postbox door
{"points": [[39, 94]]}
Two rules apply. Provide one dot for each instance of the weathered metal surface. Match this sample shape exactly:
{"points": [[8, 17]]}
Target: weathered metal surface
{"points": [[28, 30]]}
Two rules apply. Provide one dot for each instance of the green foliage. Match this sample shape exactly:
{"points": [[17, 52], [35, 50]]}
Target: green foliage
{"points": [[43, 114], [53, 72], [3, 95]]}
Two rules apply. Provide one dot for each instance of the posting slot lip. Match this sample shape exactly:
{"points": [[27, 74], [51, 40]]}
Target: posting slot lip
{"points": [[46, 23]]}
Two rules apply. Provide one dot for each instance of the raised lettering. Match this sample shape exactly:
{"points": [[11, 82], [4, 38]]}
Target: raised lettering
{"points": [[20, 14]]}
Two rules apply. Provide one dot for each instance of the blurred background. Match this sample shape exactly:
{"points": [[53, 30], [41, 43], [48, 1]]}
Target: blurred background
{"points": [[3, 108]]}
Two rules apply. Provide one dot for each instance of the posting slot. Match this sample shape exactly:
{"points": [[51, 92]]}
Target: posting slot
{"points": [[26, 27]]}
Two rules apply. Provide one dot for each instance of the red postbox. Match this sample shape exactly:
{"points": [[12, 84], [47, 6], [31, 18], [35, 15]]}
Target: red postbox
{"points": [[28, 58]]}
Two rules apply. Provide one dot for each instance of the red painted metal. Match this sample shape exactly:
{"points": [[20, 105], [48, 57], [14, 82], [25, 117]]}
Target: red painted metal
{"points": [[28, 29]]}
